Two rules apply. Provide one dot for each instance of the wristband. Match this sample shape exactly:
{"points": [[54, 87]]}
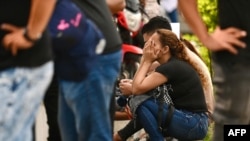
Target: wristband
{"points": [[27, 37]]}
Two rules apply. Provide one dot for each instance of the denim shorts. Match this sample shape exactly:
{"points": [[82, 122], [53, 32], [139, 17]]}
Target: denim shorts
{"points": [[21, 93]]}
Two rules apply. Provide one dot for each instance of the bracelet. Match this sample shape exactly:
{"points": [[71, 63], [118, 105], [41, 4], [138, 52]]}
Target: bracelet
{"points": [[27, 37]]}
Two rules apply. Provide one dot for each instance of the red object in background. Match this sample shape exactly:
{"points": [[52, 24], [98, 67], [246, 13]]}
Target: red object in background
{"points": [[126, 48]]}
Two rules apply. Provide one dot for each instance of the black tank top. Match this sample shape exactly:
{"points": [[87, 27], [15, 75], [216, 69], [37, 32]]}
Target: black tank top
{"points": [[98, 11], [16, 12]]}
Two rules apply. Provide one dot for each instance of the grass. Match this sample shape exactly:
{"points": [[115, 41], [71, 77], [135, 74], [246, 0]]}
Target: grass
{"points": [[209, 133]]}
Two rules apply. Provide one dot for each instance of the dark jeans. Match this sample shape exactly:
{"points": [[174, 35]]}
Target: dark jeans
{"points": [[84, 106], [194, 127], [112, 111], [51, 107], [231, 82]]}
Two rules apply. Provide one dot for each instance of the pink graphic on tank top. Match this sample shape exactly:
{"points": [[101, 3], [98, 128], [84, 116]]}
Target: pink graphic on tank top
{"points": [[77, 20], [63, 25]]}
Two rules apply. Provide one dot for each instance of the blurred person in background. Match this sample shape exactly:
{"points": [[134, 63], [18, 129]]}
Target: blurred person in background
{"points": [[101, 80], [115, 6], [152, 8], [171, 9]]}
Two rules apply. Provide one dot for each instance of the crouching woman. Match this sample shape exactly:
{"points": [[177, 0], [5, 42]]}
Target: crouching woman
{"points": [[189, 120]]}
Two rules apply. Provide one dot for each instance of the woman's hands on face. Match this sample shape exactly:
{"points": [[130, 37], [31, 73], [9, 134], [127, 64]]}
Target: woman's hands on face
{"points": [[150, 53]]}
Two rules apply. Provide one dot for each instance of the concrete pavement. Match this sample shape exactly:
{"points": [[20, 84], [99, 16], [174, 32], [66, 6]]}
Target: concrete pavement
{"points": [[42, 127]]}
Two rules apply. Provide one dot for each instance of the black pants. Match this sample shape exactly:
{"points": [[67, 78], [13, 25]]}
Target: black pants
{"points": [[51, 107], [112, 111]]}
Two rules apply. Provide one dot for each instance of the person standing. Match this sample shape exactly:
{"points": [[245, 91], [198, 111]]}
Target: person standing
{"points": [[98, 86], [115, 6], [26, 65], [152, 8], [171, 9], [230, 47]]}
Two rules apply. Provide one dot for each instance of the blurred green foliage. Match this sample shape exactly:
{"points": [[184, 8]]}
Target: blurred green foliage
{"points": [[208, 11]]}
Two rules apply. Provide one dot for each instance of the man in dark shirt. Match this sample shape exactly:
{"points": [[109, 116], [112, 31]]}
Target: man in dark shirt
{"points": [[26, 66], [96, 122], [230, 46]]}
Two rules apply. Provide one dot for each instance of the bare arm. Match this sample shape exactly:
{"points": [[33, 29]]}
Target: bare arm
{"points": [[116, 5], [143, 83], [192, 17], [41, 11]]}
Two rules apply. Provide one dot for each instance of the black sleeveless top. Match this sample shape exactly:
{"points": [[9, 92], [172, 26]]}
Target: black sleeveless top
{"points": [[16, 12], [97, 10], [234, 13], [184, 85]]}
